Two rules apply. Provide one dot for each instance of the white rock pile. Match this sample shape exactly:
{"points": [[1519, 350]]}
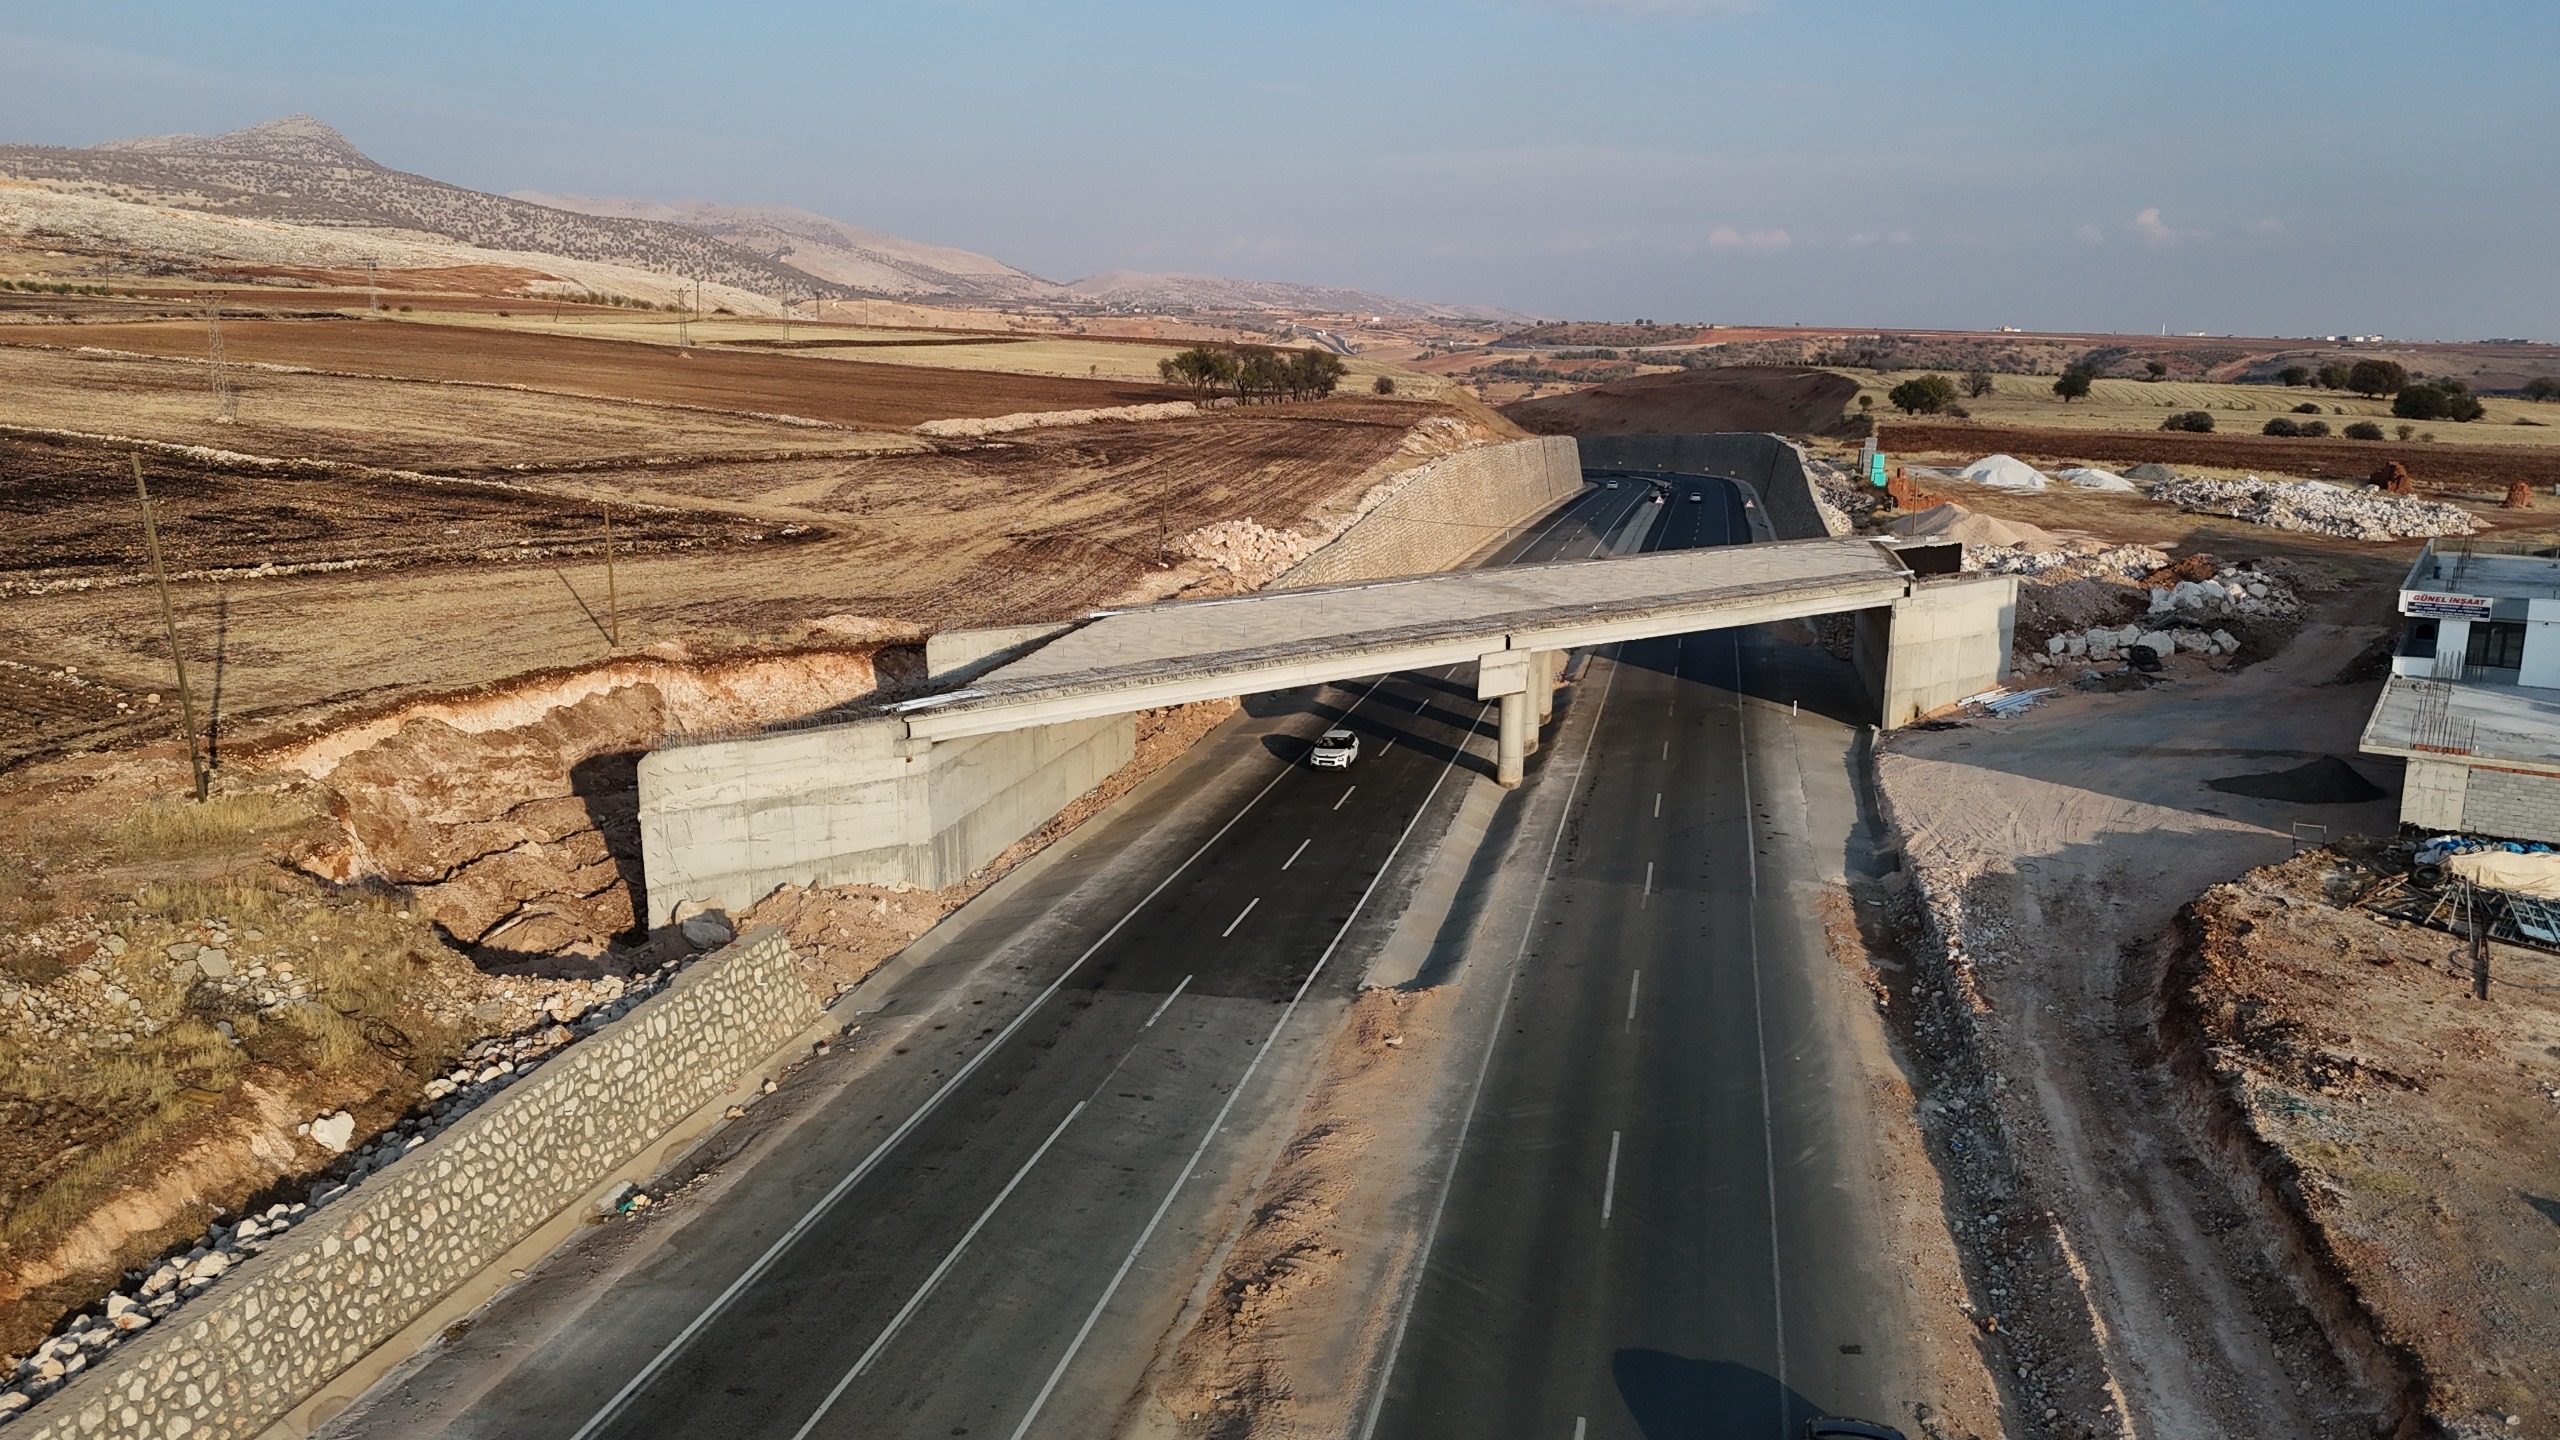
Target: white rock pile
{"points": [[1242, 547], [2105, 645], [2232, 592], [2079, 557], [2319, 509]]}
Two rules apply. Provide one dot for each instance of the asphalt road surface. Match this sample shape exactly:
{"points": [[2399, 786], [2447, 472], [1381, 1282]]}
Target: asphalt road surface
{"points": [[1652, 1229], [988, 1233]]}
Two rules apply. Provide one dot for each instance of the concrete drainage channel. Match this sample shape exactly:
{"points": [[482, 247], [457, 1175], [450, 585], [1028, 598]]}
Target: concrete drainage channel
{"points": [[279, 1306]]}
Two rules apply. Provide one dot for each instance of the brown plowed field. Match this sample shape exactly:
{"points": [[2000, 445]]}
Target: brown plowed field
{"points": [[2473, 469], [1787, 400], [70, 509], [841, 392]]}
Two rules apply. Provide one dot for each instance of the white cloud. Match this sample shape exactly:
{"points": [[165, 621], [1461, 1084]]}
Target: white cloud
{"points": [[1725, 237], [2156, 231], [2092, 235], [2267, 227]]}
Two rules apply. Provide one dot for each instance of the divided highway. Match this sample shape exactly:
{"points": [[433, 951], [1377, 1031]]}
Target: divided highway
{"points": [[989, 1232], [1654, 1228]]}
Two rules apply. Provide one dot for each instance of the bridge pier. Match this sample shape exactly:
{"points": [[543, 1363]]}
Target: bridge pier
{"points": [[1519, 735]]}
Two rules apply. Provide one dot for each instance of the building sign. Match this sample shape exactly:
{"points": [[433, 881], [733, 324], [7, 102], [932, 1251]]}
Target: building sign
{"points": [[2449, 607]]}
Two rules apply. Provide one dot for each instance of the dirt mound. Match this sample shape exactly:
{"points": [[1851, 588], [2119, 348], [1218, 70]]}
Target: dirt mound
{"points": [[2325, 781], [1951, 521], [1697, 402]]}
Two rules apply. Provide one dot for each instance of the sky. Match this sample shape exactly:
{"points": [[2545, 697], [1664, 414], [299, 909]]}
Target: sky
{"points": [[2285, 167]]}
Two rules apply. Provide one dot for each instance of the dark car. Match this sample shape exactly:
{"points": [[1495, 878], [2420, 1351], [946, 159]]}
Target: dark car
{"points": [[1838, 1427]]}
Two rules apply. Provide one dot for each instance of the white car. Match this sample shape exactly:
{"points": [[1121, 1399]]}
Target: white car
{"points": [[1695, 497], [1335, 750], [1613, 484]]}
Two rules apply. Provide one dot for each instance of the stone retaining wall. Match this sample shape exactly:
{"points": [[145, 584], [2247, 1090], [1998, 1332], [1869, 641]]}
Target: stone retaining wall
{"points": [[235, 1359], [1449, 510], [1768, 463]]}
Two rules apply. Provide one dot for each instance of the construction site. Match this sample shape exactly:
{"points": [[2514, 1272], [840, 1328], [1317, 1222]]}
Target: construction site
{"points": [[2211, 967]]}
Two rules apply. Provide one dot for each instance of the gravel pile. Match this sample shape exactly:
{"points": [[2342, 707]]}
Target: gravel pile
{"points": [[2319, 509], [2077, 559], [1241, 547]]}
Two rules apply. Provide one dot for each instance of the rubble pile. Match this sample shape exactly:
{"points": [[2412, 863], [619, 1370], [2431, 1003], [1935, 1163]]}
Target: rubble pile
{"points": [[1242, 547], [2319, 509], [2186, 616], [2075, 559]]}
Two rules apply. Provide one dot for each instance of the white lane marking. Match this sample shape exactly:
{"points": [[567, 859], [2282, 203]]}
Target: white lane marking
{"points": [[906, 1127], [1657, 804], [907, 1311], [1635, 982], [1390, 745], [1475, 1095], [1186, 984], [1648, 877], [1760, 1032], [1425, 705], [1345, 796], [1666, 749], [1219, 1123], [1247, 910], [1608, 1191], [1294, 854], [1577, 1427]]}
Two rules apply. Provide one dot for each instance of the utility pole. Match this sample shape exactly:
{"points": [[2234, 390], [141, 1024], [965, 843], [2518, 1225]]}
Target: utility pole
{"points": [[372, 289], [225, 402], [169, 624], [612, 601]]}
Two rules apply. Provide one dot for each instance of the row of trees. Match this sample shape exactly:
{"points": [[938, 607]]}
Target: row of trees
{"points": [[1254, 372]]}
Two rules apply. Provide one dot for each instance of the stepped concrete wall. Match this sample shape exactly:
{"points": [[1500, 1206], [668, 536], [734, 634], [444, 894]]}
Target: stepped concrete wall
{"points": [[1449, 510], [275, 1330], [1768, 464]]}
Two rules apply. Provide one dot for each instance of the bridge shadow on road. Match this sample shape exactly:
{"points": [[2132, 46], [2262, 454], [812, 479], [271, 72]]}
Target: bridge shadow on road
{"points": [[1672, 1397]]}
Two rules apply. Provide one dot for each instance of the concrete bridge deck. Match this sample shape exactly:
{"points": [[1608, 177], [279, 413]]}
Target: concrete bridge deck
{"points": [[1175, 653]]}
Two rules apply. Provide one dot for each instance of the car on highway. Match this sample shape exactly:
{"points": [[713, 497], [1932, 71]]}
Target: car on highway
{"points": [[1335, 750], [1695, 497], [1839, 1427], [1613, 484]]}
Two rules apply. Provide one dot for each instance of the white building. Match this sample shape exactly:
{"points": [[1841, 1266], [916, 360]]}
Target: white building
{"points": [[2473, 699]]}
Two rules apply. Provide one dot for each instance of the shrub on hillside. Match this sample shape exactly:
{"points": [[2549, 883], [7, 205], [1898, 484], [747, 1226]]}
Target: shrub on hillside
{"points": [[1383, 385], [2370, 378], [2314, 429], [2363, 430], [2446, 399], [2198, 422], [2074, 383], [2306, 408], [1977, 383], [2280, 426], [2294, 374], [1923, 395], [2542, 387]]}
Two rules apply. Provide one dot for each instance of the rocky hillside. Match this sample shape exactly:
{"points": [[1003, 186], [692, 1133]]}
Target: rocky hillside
{"points": [[300, 171], [865, 260]]}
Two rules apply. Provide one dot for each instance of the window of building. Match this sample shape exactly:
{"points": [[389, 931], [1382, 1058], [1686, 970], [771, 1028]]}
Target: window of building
{"points": [[2495, 645]]}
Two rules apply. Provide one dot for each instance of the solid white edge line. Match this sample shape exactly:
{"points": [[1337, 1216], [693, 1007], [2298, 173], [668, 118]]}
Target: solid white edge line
{"points": [[1760, 1029], [1475, 1096], [1294, 854], [826, 1202], [1218, 1123], [1167, 1004], [1608, 1189], [907, 1311], [1247, 910]]}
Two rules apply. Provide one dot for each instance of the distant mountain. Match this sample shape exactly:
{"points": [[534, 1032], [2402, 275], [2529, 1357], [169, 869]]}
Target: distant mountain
{"points": [[299, 171], [859, 259], [1133, 290]]}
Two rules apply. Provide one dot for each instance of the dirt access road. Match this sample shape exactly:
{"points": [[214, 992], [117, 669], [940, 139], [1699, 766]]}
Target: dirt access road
{"points": [[2051, 852]]}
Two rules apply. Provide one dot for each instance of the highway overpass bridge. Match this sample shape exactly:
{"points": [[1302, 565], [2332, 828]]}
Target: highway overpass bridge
{"points": [[930, 790]]}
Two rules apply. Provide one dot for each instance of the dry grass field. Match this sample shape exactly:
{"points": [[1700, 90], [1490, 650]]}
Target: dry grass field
{"points": [[2028, 401]]}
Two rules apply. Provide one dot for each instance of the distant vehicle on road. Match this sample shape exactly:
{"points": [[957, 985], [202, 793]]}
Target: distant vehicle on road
{"points": [[1335, 750], [1835, 1427], [1613, 484], [1695, 497]]}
